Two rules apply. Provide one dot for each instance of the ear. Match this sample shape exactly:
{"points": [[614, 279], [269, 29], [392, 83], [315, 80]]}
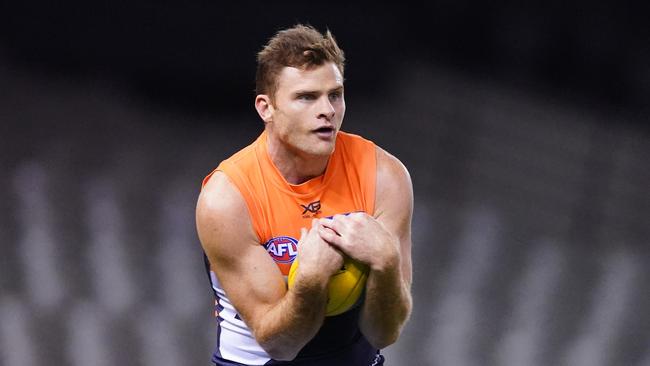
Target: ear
{"points": [[264, 107]]}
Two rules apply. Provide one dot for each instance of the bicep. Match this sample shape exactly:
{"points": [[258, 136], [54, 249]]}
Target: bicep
{"points": [[394, 205], [247, 274]]}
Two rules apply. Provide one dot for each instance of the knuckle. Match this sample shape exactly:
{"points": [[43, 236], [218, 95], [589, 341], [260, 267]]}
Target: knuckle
{"points": [[357, 216]]}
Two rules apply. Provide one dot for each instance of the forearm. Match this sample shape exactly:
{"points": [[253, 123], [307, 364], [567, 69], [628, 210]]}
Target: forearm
{"points": [[286, 327], [387, 306]]}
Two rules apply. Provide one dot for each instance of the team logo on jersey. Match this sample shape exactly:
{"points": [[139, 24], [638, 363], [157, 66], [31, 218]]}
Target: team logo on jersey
{"points": [[283, 249], [313, 208]]}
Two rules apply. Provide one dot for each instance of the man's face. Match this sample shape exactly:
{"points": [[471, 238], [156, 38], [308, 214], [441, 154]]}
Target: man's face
{"points": [[308, 109]]}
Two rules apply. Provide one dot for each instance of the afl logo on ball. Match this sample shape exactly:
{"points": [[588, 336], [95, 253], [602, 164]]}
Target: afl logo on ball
{"points": [[283, 249]]}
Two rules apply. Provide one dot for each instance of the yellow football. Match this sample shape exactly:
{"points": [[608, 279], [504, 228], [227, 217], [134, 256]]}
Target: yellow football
{"points": [[345, 286]]}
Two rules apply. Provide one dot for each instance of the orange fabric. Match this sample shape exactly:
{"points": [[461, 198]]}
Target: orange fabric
{"points": [[279, 209]]}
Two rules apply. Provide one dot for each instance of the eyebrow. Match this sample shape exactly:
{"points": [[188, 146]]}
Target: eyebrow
{"points": [[305, 91]]}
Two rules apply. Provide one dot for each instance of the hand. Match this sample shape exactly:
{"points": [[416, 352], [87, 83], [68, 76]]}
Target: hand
{"points": [[363, 238], [316, 256]]}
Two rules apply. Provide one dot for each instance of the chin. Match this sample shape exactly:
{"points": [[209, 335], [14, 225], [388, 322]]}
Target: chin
{"points": [[319, 152], [324, 149], [315, 148]]}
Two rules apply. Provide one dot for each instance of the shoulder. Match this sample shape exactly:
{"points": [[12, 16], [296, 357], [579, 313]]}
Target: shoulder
{"points": [[356, 149], [219, 194], [350, 139], [391, 171], [221, 213], [394, 188]]}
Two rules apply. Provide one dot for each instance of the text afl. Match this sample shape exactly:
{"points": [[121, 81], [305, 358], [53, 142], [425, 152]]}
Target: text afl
{"points": [[283, 249]]}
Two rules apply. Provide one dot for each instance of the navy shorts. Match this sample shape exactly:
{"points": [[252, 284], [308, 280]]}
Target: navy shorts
{"points": [[218, 361]]}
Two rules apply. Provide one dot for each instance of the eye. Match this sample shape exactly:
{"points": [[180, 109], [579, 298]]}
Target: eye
{"points": [[335, 95], [306, 97]]}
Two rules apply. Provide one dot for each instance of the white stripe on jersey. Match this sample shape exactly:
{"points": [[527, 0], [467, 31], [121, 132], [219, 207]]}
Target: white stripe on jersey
{"points": [[236, 341]]}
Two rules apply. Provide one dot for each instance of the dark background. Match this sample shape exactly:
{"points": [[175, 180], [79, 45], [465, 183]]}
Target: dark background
{"points": [[201, 55], [524, 127]]}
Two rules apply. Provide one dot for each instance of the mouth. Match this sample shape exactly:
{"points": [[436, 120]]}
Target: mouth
{"points": [[325, 132]]}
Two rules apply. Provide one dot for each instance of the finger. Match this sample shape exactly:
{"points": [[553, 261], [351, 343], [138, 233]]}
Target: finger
{"points": [[355, 221], [356, 216], [330, 236], [332, 223]]}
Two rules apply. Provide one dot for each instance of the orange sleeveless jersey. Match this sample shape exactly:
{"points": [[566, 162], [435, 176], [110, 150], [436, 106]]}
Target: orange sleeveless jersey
{"points": [[278, 210]]}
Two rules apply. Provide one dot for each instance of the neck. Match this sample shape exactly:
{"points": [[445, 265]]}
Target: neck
{"points": [[294, 166]]}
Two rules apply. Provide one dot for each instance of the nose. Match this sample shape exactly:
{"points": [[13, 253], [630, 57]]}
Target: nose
{"points": [[326, 109]]}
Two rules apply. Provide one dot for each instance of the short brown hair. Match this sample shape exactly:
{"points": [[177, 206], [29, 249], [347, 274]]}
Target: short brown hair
{"points": [[301, 46]]}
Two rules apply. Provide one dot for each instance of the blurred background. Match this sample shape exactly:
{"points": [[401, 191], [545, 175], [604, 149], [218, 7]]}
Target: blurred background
{"points": [[524, 126]]}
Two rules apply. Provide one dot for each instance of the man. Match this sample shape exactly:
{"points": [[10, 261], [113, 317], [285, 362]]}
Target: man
{"points": [[303, 178]]}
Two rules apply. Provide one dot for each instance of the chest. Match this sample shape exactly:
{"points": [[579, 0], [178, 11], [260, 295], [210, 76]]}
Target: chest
{"points": [[284, 214]]}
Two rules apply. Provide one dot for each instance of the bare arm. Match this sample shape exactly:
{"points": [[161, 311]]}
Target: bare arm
{"points": [[388, 291], [282, 321], [384, 243]]}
